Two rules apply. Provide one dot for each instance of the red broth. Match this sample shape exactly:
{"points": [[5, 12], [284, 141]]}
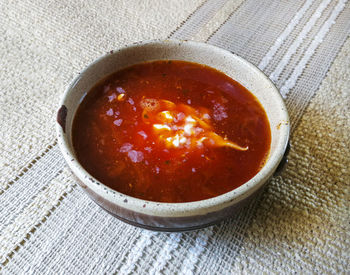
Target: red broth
{"points": [[171, 131]]}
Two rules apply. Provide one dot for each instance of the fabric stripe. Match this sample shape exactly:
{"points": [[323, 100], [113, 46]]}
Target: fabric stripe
{"points": [[227, 239], [171, 244], [198, 19], [300, 95], [136, 252], [279, 41], [218, 20], [195, 251], [30, 216], [297, 42], [6, 182], [76, 217], [28, 186], [296, 57], [290, 83], [254, 23]]}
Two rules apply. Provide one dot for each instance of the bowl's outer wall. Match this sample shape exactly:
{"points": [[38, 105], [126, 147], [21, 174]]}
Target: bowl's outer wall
{"points": [[168, 224], [183, 215]]}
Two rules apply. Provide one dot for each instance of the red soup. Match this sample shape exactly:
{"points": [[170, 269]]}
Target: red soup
{"points": [[171, 131]]}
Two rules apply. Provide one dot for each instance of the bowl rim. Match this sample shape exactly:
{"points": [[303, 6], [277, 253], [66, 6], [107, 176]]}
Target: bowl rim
{"points": [[165, 209]]}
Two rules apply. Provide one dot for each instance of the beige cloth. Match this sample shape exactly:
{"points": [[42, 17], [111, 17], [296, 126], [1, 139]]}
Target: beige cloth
{"points": [[48, 225]]}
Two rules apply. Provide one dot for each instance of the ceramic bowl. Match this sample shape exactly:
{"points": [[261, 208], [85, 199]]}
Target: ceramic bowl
{"points": [[174, 216]]}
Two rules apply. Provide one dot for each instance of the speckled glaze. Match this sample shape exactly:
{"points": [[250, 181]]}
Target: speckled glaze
{"points": [[174, 216]]}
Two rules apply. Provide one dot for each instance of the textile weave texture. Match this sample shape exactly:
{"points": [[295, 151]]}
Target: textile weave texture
{"points": [[300, 224]]}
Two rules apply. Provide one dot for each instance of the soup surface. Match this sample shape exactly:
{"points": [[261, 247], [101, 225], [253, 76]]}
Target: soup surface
{"points": [[171, 131]]}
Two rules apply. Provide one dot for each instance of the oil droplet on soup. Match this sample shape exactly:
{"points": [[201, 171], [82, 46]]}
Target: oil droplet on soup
{"points": [[171, 132]]}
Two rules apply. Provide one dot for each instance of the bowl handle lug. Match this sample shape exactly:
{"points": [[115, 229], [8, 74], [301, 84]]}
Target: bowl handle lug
{"points": [[61, 117]]}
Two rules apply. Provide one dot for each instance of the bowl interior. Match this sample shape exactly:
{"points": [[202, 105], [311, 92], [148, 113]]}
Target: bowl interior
{"points": [[235, 67]]}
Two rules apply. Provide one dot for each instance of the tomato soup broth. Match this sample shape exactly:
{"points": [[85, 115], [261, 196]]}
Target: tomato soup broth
{"points": [[171, 131]]}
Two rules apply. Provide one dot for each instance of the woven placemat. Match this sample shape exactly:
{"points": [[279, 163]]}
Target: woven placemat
{"points": [[300, 223]]}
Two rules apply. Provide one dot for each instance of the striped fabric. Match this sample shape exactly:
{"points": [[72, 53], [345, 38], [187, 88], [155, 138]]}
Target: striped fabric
{"points": [[47, 223]]}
